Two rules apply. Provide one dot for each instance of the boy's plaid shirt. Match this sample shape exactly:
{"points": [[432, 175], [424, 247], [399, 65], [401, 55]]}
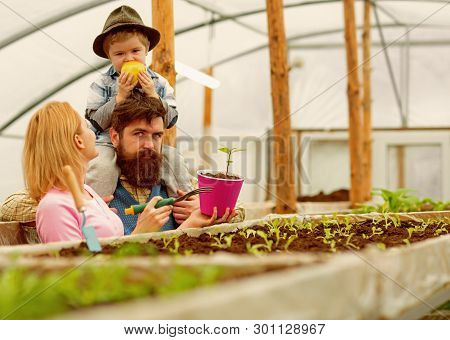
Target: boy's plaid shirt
{"points": [[104, 89]]}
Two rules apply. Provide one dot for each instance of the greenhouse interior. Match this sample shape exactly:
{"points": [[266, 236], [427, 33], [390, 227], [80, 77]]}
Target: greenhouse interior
{"points": [[225, 160]]}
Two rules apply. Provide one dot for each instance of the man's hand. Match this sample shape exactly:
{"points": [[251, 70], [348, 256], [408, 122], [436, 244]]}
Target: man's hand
{"points": [[198, 220], [147, 84], [182, 210], [125, 86], [152, 219]]}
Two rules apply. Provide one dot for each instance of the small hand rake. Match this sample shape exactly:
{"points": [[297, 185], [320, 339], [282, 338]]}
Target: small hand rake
{"points": [[89, 233], [137, 209]]}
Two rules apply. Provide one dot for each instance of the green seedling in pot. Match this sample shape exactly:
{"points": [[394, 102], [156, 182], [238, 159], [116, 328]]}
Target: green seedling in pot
{"points": [[229, 152]]}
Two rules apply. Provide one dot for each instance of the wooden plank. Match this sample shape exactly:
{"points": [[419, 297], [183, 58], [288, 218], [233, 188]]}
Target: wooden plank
{"points": [[367, 106], [284, 165], [163, 57], [207, 117], [400, 166], [355, 128], [206, 144]]}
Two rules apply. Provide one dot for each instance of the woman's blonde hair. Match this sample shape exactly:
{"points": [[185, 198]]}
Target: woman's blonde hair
{"points": [[50, 145]]}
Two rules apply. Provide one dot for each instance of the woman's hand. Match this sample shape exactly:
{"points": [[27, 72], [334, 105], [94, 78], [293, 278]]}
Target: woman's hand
{"points": [[198, 220], [152, 219]]}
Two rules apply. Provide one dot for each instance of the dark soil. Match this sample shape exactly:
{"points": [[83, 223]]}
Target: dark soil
{"points": [[220, 175], [336, 196], [312, 239]]}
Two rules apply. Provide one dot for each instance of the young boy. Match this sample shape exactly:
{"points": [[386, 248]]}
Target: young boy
{"points": [[124, 38]]}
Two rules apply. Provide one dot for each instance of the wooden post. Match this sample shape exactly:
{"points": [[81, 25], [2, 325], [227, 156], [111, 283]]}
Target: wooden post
{"points": [[367, 103], [400, 166], [207, 119], [163, 57], [207, 106], [284, 165], [354, 122]]}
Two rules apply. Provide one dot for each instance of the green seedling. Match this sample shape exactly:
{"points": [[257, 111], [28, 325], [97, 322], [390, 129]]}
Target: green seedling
{"points": [[188, 252], [277, 236], [176, 245], [406, 241], [381, 246], [326, 221], [290, 223], [333, 246], [255, 249], [268, 243], [410, 232], [396, 221], [441, 230], [399, 200], [134, 249], [347, 223], [242, 233], [376, 231], [289, 241], [168, 240], [249, 232], [229, 152], [227, 241], [348, 244], [329, 235]]}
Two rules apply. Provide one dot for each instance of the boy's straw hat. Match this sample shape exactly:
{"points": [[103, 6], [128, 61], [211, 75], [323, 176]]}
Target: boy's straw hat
{"points": [[120, 18]]}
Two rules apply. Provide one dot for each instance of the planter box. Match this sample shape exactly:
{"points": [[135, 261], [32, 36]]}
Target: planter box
{"points": [[366, 284], [257, 210]]}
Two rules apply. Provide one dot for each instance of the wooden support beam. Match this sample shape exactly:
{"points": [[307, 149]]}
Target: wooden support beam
{"points": [[367, 106], [163, 57], [354, 122], [400, 166], [207, 121], [207, 106], [284, 165]]}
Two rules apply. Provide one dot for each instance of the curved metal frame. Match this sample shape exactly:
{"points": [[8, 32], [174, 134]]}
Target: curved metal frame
{"points": [[222, 18], [50, 21]]}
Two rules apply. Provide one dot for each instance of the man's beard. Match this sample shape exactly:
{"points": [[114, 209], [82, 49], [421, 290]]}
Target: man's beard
{"points": [[143, 170]]}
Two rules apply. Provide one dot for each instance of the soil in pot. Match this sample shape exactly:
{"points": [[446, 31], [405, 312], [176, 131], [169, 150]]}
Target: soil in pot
{"points": [[220, 175]]}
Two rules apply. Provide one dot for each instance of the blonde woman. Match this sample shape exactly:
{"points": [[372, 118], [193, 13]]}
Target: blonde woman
{"points": [[58, 136]]}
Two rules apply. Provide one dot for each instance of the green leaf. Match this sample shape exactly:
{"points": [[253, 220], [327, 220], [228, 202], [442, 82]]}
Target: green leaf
{"points": [[381, 246], [225, 149]]}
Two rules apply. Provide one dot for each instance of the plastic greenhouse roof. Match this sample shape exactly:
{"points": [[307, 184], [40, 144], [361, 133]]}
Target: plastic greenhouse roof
{"points": [[46, 54], [59, 59]]}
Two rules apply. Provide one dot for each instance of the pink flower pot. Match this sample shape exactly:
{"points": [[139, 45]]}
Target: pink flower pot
{"points": [[224, 194]]}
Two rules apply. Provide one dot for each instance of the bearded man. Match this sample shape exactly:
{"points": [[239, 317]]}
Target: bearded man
{"points": [[148, 168]]}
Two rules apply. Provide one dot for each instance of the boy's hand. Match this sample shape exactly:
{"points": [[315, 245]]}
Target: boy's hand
{"points": [[125, 85], [147, 84]]}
